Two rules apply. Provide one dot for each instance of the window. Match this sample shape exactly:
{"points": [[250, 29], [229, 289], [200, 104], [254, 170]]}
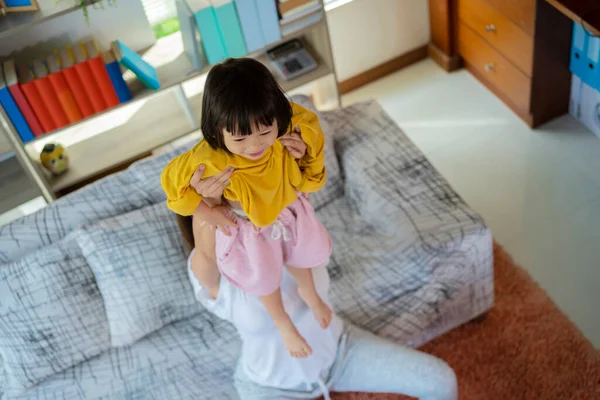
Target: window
{"points": [[159, 11]]}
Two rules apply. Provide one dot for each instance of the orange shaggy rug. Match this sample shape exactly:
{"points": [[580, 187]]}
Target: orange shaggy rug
{"points": [[524, 348]]}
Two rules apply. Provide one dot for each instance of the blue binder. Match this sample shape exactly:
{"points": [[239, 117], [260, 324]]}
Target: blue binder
{"points": [[592, 76], [579, 51], [250, 23], [13, 111], [210, 35], [269, 20], [229, 26]]}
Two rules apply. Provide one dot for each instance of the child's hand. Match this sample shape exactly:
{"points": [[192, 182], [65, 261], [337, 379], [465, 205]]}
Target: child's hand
{"points": [[294, 144], [212, 187]]}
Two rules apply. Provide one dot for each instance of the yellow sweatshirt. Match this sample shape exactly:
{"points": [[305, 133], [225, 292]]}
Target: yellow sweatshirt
{"points": [[263, 187]]}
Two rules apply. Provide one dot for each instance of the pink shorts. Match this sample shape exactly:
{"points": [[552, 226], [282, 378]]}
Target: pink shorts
{"points": [[252, 258]]}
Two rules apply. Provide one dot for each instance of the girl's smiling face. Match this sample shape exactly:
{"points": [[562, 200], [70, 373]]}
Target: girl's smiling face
{"points": [[251, 146]]}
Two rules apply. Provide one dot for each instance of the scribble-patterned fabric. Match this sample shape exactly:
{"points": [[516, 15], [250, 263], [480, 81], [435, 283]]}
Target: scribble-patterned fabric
{"points": [[51, 314], [137, 259], [410, 261]]}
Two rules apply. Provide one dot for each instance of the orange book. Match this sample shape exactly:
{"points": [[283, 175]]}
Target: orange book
{"points": [[101, 74], [59, 84], [72, 78], [84, 71], [49, 96], [35, 99]]}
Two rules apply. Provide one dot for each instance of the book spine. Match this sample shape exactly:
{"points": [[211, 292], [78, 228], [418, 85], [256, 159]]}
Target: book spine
{"points": [[211, 36], [269, 20], [229, 25], [51, 101], [25, 107], [90, 86], [15, 116], [37, 104], [116, 77], [248, 15], [65, 97], [103, 80], [79, 94]]}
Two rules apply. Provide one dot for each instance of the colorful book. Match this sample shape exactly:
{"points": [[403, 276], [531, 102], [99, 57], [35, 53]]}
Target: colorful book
{"points": [[101, 74], [189, 33], [26, 81], [13, 111], [212, 39], [229, 26], [74, 82], [116, 76], [269, 20], [12, 82], [136, 64], [248, 15], [87, 79], [59, 84], [49, 96]]}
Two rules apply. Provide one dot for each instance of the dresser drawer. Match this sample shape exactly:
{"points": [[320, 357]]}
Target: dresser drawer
{"points": [[499, 31], [521, 12], [494, 68]]}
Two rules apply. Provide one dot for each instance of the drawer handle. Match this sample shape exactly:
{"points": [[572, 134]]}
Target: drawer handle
{"points": [[490, 28], [489, 67]]}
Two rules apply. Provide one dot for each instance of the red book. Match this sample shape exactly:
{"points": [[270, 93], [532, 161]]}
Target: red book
{"points": [[12, 82], [59, 84], [72, 78], [101, 74], [35, 99], [86, 76], [49, 96]]}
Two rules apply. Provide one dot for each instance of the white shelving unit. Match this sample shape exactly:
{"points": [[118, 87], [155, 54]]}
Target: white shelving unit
{"points": [[89, 156]]}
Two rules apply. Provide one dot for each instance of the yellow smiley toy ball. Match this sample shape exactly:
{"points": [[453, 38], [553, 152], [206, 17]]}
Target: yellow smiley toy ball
{"points": [[54, 158]]}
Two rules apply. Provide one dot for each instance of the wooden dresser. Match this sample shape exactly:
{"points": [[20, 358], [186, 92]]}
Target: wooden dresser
{"points": [[519, 49]]}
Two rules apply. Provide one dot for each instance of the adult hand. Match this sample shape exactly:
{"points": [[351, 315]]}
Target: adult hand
{"points": [[294, 144], [212, 187], [218, 216]]}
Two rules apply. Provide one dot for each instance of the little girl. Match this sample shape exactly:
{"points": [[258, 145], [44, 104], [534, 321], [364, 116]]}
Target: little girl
{"points": [[249, 125]]}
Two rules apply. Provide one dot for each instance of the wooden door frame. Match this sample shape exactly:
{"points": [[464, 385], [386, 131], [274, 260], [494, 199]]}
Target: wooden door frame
{"points": [[442, 48]]}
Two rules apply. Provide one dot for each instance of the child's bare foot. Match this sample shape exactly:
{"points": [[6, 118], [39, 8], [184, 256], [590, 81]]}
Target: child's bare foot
{"points": [[321, 311], [293, 341]]}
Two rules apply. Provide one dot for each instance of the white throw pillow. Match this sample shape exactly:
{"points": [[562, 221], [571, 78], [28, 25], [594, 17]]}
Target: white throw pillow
{"points": [[139, 262]]}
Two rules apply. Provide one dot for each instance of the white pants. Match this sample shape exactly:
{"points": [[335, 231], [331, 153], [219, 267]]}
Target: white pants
{"points": [[367, 363]]}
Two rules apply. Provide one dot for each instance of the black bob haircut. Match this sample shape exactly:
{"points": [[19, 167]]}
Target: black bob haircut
{"points": [[238, 94]]}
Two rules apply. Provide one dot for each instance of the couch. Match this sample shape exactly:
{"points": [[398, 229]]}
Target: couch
{"points": [[95, 302]]}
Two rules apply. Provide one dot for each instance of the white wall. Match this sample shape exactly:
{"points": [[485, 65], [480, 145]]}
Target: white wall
{"points": [[366, 33], [127, 21]]}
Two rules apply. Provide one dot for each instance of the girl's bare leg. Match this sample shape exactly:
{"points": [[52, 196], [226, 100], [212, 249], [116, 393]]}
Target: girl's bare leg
{"points": [[308, 292], [294, 342]]}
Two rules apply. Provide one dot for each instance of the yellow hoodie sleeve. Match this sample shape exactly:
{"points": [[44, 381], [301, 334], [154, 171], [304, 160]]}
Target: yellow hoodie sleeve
{"points": [[175, 180], [312, 164]]}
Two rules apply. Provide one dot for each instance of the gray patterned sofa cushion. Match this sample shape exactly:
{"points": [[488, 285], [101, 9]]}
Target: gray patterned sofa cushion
{"points": [[51, 314], [139, 262]]}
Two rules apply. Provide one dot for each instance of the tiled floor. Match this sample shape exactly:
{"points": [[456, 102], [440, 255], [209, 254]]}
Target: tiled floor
{"points": [[539, 191]]}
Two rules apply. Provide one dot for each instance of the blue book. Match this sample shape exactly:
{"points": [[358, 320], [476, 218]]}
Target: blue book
{"points": [[269, 20], [116, 77], [248, 15], [12, 110], [229, 26], [210, 34], [136, 64]]}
